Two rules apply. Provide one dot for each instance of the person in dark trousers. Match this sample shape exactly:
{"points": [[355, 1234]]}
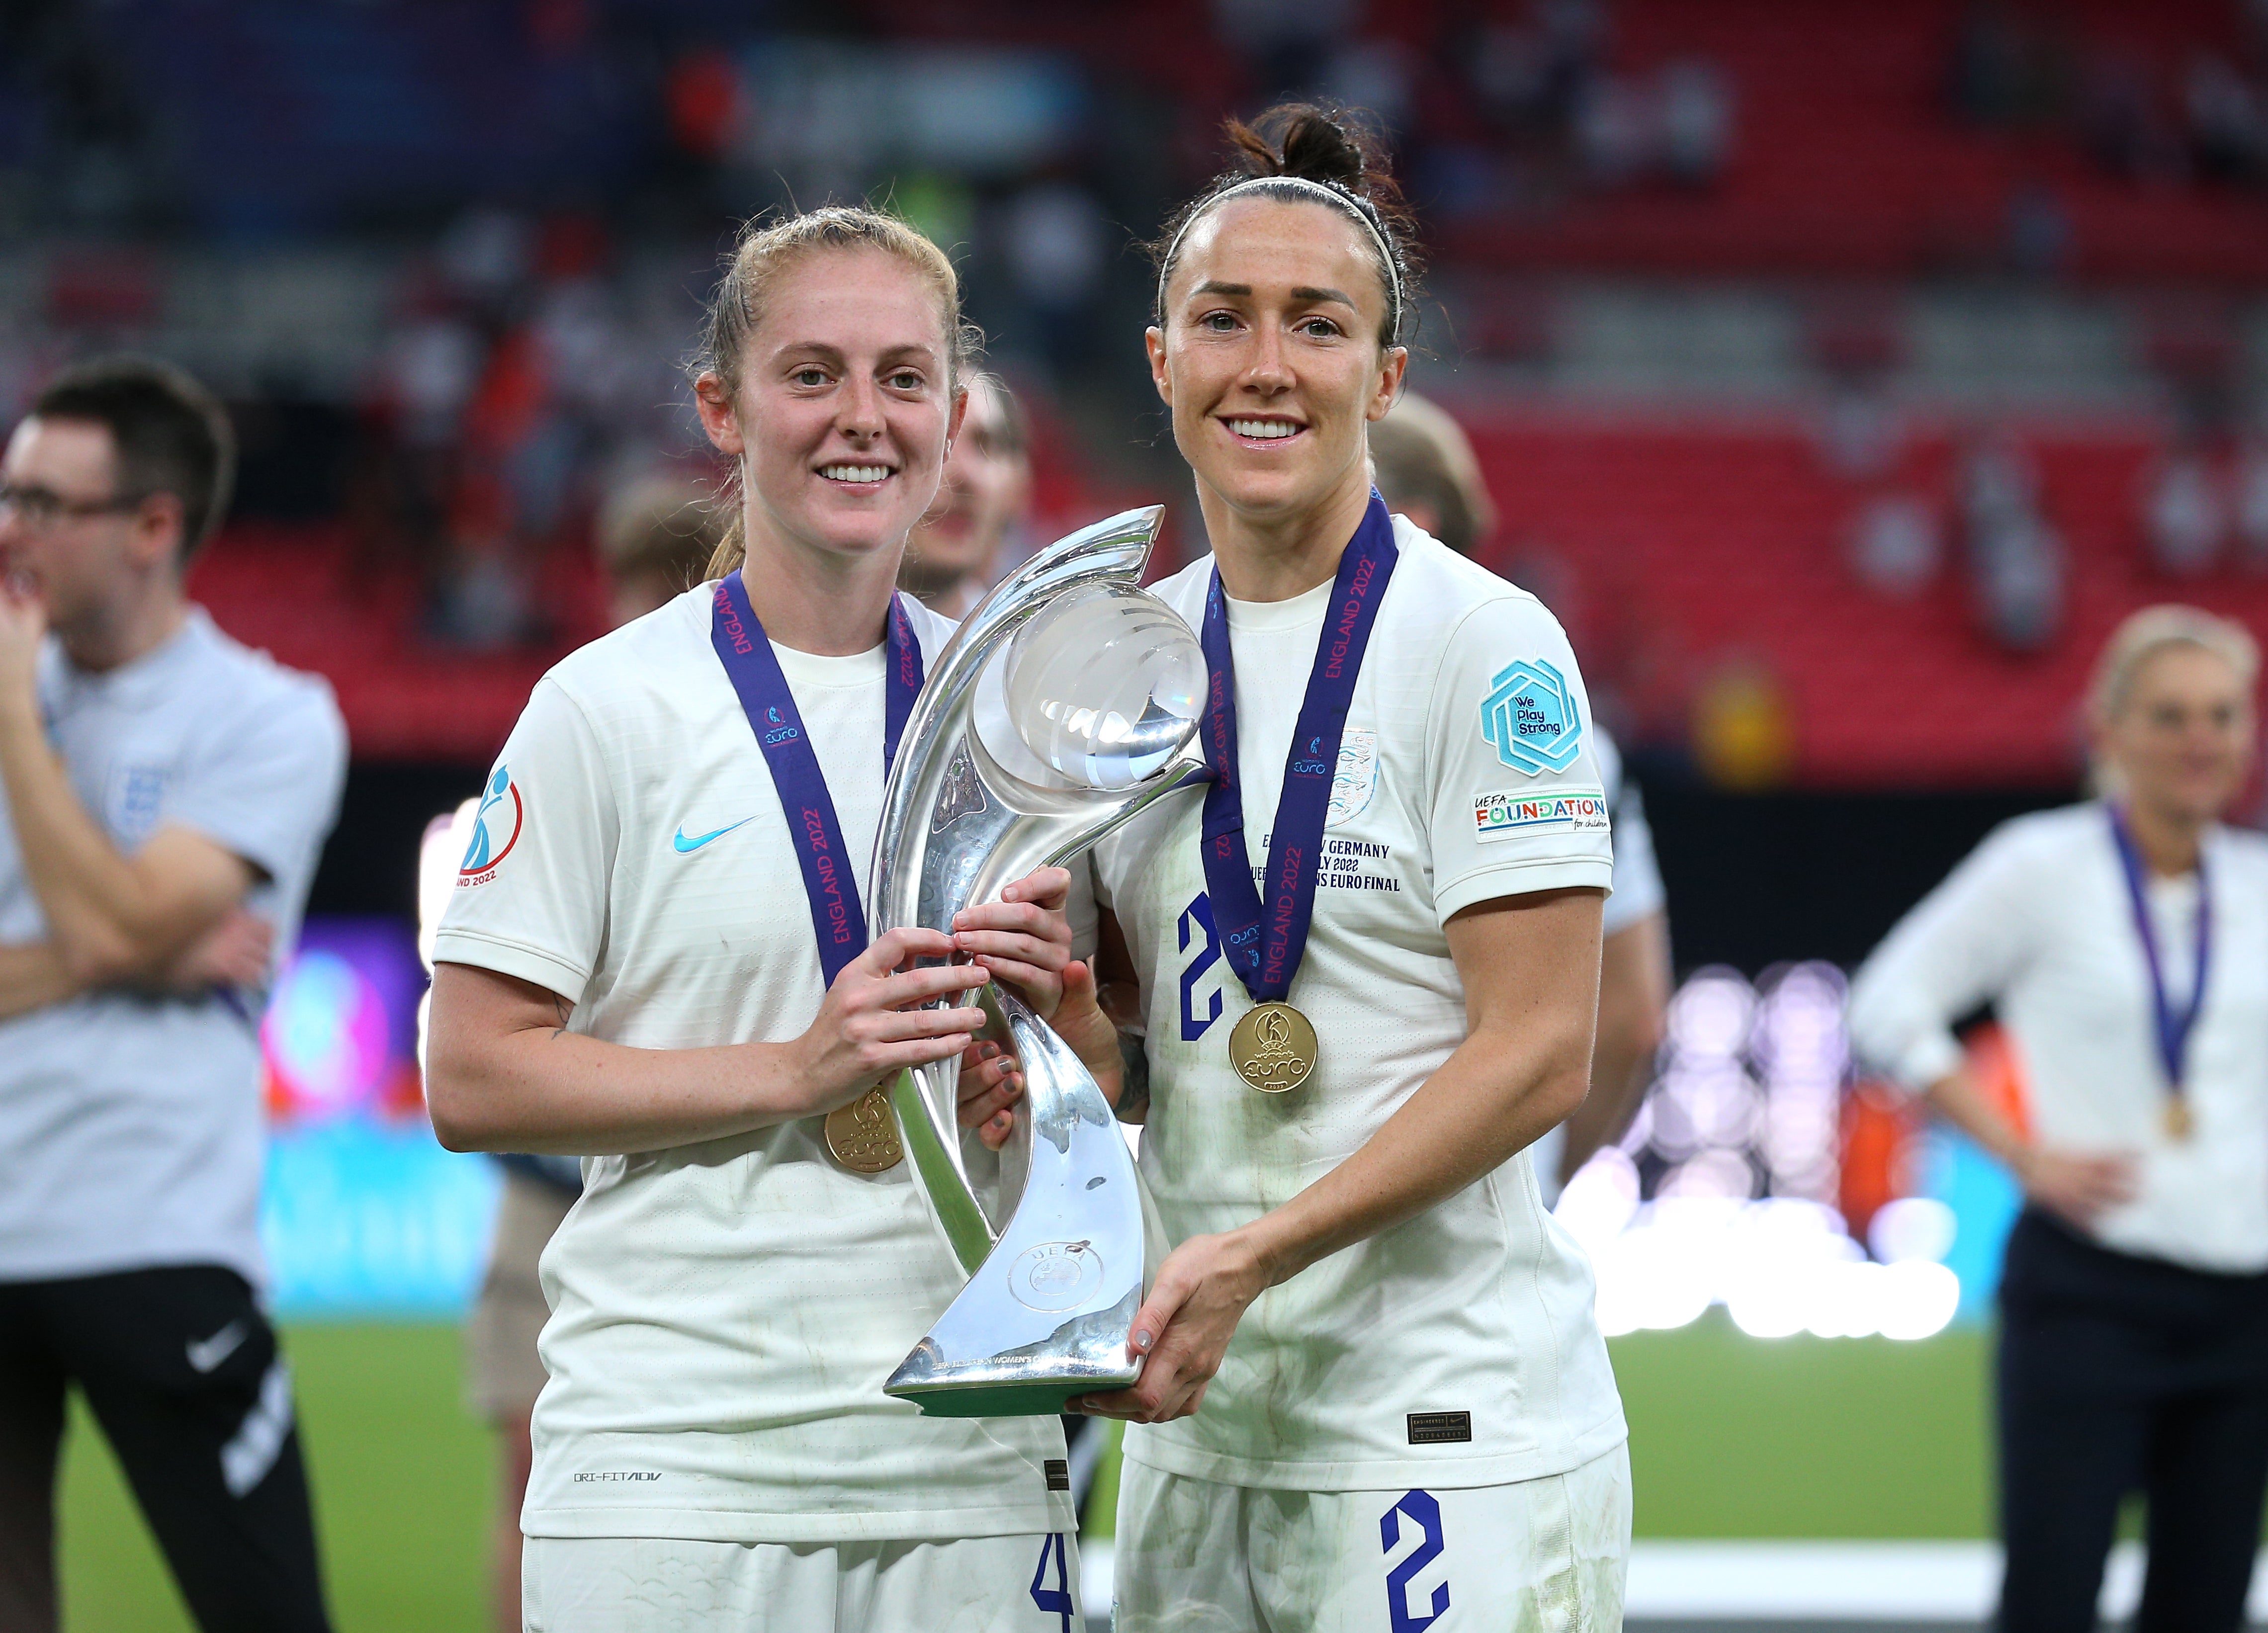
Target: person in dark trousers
{"points": [[2125, 941], [167, 793]]}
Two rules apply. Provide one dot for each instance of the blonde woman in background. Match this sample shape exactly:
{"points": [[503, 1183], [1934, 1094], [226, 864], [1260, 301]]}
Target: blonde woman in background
{"points": [[2124, 942]]}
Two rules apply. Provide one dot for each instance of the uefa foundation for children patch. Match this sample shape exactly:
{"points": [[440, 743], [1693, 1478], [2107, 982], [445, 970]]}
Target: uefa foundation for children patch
{"points": [[1530, 717], [1503, 814]]}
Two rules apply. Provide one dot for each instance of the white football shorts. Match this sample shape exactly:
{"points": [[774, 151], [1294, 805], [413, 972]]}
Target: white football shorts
{"points": [[652, 1584], [1539, 1556]]}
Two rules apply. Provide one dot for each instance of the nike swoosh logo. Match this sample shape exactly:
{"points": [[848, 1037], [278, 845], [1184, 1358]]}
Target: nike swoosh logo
{"points": [[206, 1354], [684, 844]]}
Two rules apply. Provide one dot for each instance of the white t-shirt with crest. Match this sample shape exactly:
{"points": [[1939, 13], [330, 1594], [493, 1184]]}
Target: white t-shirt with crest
{"points": [[723, 1314], [1458, 1349]]}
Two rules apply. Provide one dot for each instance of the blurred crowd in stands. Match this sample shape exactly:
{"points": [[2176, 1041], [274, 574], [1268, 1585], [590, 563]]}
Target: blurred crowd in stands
{"points": [[2201, 117], [445, 261]]}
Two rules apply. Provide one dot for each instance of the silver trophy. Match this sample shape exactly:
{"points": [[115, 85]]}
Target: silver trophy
{"points": [[1067, 702]]}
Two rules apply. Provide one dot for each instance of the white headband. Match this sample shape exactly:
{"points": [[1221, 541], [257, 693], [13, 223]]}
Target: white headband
{"points": [[1337, 195]]}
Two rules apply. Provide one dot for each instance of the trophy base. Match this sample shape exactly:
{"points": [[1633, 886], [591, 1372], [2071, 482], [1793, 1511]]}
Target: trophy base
{"points": [[1009, 1398], [1086, 1355]]}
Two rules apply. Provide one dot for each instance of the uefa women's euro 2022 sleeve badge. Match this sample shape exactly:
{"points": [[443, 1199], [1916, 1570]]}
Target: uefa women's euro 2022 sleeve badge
{"points": [[496, 822], [1530, 718]]}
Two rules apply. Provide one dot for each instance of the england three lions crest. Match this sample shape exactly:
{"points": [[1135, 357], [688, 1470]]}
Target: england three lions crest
{"points": [[1355, 777]]}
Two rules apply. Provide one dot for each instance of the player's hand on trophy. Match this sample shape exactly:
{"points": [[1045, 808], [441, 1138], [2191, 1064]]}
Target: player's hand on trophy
{"points": [[1023, 939], [992, 1083], [1183, 1327], [1081, 1021], [873, 1024]]}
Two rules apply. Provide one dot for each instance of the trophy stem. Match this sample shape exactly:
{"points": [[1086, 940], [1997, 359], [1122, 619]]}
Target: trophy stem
{"points": [[1047, 1311], [957, 1211]]}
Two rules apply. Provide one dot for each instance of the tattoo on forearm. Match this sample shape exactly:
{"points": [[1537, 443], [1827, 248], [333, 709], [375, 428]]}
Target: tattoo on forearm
{"points": [[1134, 1077], [563, 1009]]}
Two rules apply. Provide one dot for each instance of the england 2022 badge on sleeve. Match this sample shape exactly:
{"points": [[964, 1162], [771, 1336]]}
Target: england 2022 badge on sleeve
{"points": [[1530, 717], [496, 830]]}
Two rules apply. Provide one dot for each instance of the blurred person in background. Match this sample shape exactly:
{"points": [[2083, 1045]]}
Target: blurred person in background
{"points": [[1425, 469], [168, 793], [655, 537], [956, 552], [2124, 942], [627, 971]]}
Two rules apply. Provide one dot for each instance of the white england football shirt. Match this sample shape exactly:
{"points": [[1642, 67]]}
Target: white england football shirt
{"points": [[2037, 922], [1458, 1349], [723, 1315]]}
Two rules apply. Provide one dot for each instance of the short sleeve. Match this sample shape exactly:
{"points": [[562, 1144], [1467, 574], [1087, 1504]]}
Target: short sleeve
{"points": [[267, 789], [530, 897], [1518, 802]]}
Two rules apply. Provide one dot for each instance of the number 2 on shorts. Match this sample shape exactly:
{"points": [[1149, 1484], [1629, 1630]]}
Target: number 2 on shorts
{"points": [[1426, 1514]]}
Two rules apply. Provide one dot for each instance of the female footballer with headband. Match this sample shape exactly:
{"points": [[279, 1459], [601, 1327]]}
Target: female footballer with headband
{"points": [[1368, 968], [656, 950]]}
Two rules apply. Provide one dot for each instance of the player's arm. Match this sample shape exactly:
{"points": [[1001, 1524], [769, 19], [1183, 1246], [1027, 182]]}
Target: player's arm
{"points": [[1529, 967], [1633, 991], [1958, 948], [111, 917], [505, 1073]]}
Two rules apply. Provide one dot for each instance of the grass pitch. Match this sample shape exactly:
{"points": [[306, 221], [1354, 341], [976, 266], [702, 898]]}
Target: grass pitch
{"points": [[1730, 1437], [402, 1480]]}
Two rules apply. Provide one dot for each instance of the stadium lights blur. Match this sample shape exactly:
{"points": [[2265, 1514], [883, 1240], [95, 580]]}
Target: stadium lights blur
{"points": [[1739, 1134]]}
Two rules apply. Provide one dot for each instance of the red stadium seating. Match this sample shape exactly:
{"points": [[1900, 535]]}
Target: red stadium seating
{"points": [[1685, 548], [1847, 159], [1681, 546]]}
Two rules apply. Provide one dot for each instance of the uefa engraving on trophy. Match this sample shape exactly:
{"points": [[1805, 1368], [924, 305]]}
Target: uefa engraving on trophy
{"points": [[1066, 704]]}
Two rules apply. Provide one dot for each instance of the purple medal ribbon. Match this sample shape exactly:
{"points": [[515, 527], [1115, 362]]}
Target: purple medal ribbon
{"points": [[2173, 1030], [828, 880], [1264, 946]]}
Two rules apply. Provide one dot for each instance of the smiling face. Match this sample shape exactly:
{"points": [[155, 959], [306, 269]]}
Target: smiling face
{"points": [[2181, 743], [844, 406], [1269, 357]]}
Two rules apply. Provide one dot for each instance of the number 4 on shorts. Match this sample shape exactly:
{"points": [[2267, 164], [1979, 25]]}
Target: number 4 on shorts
{"points": [[1055, 1600], [1426, 1514]]}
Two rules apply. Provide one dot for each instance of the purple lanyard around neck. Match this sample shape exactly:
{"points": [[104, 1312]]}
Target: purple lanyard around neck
{"points": [[2173, 1030], [830, 880], [1264, 946]]}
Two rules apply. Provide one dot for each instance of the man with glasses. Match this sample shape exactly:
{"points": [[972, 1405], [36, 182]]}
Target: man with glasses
{"points": [[167, 791]]}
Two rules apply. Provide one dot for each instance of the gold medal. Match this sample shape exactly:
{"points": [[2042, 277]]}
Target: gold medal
{"points": [[862, 1136], [1272, 1048], [2180, 1122]]}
